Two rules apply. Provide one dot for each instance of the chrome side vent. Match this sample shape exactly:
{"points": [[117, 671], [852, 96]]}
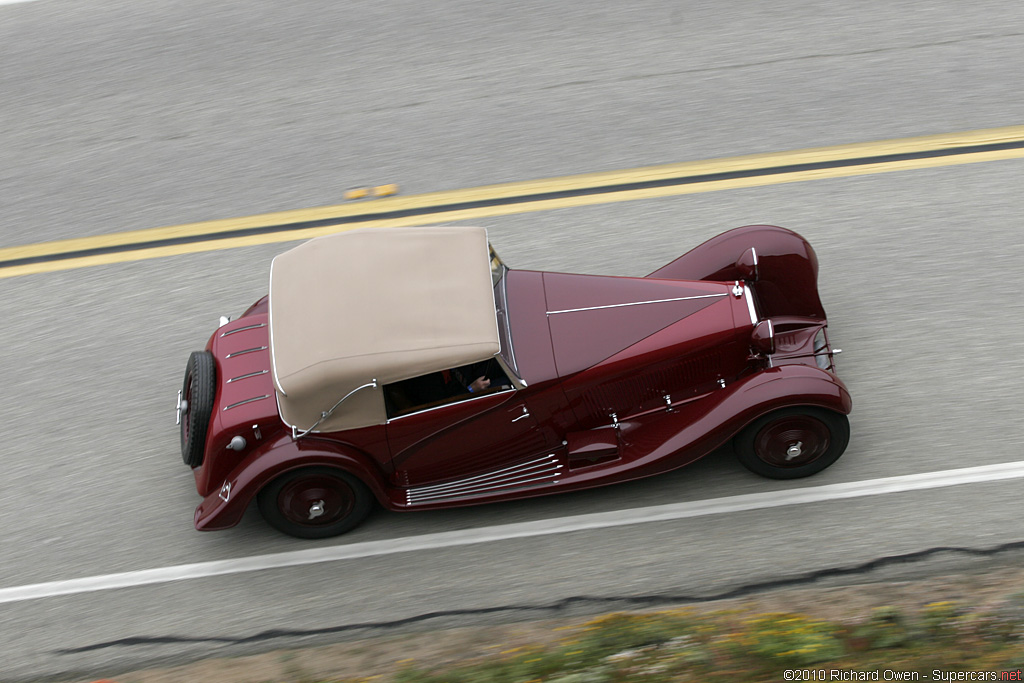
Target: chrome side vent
{"points": [[243, 329], [247, 376], [248, 400], [537, 472], [245, 351]]}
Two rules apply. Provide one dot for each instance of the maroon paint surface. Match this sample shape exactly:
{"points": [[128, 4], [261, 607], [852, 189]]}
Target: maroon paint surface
{"points": [[633, 388]]}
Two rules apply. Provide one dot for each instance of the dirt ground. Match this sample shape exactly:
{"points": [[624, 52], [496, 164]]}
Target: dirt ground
{"points": [[379, 658]]}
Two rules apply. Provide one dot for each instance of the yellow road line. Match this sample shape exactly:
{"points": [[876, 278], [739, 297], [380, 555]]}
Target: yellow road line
{"points": [[495, 193]]}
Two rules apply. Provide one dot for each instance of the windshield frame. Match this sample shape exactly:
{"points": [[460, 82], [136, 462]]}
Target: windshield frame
{"points": [[506, 354]]}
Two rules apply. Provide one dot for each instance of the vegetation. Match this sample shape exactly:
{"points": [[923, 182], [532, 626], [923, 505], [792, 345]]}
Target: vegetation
{"points": [[681, 645]]}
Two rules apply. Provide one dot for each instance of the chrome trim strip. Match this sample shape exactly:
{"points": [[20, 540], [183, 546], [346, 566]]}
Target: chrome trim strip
{"points": [[248, 400], [483, 488], [497, 330], [507, 473], [637, 303], [521, 465], [413, 497], [530, 483], [750, 305], [277, 400], [296, 434], [251, 374], [815, 354], [240, 353], [516, 379], [243, 329], [508, 327], [427, 410], [278, 389], [548, 470]]}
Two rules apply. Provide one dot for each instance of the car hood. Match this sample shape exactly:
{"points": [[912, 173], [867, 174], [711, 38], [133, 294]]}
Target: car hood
{"points": [[593, 317]]}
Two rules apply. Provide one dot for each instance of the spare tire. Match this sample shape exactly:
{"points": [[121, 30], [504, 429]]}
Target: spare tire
{"points": [[198, 393]]}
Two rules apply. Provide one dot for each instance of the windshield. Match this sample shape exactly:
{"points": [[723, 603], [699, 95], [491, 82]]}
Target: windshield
{"points": [[498, 271]]}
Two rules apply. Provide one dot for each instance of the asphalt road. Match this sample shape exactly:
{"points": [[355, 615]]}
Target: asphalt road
{"points": [[126, 115]]}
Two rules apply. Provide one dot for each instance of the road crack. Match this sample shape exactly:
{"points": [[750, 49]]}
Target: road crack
{"points": [[565, 604]]}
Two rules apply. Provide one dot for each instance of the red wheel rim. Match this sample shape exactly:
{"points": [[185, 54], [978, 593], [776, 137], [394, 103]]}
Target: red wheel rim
{"points": [[316, 500], [792, 441]]}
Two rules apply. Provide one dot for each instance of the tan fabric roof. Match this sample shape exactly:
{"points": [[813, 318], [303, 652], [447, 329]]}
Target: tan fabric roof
{"points": [[377, 303]]}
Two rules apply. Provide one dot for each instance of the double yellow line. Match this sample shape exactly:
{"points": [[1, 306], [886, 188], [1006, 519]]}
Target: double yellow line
{"points": [[521, 197]]}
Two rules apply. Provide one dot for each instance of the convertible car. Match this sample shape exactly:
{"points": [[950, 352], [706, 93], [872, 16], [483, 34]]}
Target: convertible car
{"points": [[410, 367]]}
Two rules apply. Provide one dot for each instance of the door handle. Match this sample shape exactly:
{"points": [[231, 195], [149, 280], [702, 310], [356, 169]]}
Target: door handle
{"points": [[525, 414]]}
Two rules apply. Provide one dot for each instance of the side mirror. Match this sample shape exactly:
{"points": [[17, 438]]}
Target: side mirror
{"points": [[762, 338]]}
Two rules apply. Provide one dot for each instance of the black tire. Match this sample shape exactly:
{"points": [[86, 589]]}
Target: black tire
{"points": [[315, 502], [793, 442], [198, 390]]}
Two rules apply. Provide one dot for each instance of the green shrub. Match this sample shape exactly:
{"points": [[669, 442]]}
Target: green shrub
{"points": [[1006, 620], [886, 627], [619, 632], [792, 639], [939, 620]]}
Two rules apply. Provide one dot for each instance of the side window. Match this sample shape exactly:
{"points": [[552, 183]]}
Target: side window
{"points": [[441, 388]]}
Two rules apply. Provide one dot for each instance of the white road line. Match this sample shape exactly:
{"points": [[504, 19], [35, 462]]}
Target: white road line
{"points": [[561, 525], [13, 2]]}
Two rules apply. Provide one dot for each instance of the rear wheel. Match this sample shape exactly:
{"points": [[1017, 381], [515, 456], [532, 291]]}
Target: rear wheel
{"points": [[196, 406], [315, 502], [793, 442]]}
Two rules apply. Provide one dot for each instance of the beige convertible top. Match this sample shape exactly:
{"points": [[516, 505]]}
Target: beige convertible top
{"points": [[382, 304]]}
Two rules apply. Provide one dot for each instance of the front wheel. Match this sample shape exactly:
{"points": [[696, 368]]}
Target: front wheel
{"points": [[315, 502], [793, 442]]}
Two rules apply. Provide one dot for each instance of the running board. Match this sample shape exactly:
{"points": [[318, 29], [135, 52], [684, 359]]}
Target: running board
{"points": [[538, 472]]}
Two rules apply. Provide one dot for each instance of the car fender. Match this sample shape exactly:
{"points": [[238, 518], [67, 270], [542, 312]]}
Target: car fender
{"points": [[786, 274], [224, 507], [667, 440], [796, 385]]}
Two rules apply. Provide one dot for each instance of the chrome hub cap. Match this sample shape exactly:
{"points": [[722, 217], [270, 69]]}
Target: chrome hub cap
{"points": [[316, 500], [793, 451], [182, 408], [792, 441]]}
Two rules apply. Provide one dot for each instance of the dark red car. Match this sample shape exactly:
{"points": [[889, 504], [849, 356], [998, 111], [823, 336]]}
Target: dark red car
{"points": [[411, 367]]}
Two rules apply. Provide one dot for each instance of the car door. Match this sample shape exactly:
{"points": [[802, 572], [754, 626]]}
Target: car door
{"points": [[463, 439]]}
